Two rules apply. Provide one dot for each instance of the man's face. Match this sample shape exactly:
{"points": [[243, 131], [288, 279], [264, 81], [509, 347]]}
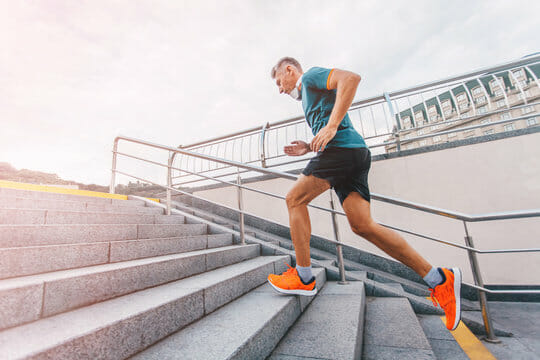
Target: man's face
{"points": [[286, 79]]}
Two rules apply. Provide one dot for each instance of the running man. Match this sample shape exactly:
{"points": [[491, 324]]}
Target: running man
{"points": [[342, 162]]}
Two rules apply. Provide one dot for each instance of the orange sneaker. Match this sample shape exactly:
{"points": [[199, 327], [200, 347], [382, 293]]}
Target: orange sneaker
{"points": [[290, 283], [448, 295]]}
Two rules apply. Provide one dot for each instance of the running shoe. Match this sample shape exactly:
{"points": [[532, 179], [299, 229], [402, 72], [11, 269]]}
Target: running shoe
{"points": [[290, 283], [448, 295]]}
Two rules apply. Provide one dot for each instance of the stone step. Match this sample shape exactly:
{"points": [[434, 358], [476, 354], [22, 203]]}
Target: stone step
{"points": [[47, 204], [442, 342], [375, 274], [22, 261], [330, 328], [43, 195], [42, 217], [392, 331], [121, 327], [247, 328], [32, 235], [32, 297]]}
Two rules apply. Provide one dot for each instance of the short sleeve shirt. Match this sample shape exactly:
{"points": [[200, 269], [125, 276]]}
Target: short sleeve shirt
{"points": [[318, 102]]}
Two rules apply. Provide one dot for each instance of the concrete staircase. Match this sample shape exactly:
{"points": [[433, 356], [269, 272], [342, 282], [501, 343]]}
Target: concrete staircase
{"points": [[97, 278], [399, 322]]}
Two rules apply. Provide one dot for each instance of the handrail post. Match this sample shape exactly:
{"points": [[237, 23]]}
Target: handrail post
{"points": [[481, 294], [339, 251], [169, 181], [240, 207], [113, 169], [261, 144], [398, 142]]}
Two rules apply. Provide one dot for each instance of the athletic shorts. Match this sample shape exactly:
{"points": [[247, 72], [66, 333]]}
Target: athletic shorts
{"points": [[346, 169]]}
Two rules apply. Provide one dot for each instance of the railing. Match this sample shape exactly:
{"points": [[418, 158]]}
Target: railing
{"points": [[469, 245], [382, 120]]}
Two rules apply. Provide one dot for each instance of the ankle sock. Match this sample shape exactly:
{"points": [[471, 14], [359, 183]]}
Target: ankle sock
{"points": [[304, 273], [433, 278]]}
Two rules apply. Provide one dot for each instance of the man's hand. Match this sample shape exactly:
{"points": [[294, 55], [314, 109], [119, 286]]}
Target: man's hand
{"points": [[324, 136], [297, 148]]}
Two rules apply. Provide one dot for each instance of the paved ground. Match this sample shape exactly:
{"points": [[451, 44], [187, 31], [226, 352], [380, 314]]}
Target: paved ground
{"points": [[523, 320]]}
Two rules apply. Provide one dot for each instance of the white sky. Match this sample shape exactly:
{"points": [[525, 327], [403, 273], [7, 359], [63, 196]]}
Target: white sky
{"points": [[74, 74]]}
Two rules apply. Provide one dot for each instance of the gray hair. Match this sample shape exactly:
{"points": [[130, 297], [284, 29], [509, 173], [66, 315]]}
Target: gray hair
{"points": [[287, 61]]}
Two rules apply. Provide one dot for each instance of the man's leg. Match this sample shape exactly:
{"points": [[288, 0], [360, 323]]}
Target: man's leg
{"points": [[304, 190], [359, 215], [446, 283]]}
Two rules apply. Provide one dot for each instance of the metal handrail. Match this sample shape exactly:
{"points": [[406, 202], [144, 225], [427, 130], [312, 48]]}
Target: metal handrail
{"points": [[387, 103], [472, 251], [392, 94], [473, 127]]}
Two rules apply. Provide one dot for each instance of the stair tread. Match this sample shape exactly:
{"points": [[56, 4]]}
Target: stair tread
{"points": [[44, 334], [392, 330], [231, 331], [330, 328], [442, 342], [83, 271]]}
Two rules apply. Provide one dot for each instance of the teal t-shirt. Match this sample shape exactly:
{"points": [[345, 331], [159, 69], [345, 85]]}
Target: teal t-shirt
{"points": [[318, 102]]}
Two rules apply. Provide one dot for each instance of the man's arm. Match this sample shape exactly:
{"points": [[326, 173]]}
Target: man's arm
{"points": [[346, 83]]}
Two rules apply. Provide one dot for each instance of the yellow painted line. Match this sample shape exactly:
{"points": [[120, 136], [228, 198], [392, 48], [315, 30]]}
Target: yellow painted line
{"points": [[58, 190], [470, 344]]}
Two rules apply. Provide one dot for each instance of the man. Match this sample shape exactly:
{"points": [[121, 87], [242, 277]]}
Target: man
{"points": [[342, 162]]}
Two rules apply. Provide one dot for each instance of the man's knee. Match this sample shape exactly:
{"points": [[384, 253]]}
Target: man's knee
{"points": [[363, 228], [293, 199]]}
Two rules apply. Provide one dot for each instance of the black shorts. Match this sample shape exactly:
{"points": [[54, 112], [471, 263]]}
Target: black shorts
{"points": [[346, 169]]}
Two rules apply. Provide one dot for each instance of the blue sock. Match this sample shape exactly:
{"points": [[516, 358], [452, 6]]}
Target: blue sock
{"points": [[304, 273], [433, 278]]}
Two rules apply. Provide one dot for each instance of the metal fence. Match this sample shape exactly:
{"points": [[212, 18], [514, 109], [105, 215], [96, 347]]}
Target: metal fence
{"points": [[444, 107], [238, 166]]}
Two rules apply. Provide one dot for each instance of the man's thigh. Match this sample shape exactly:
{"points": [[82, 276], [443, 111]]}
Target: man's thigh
{"points": [[357, 210], [307, 188]]}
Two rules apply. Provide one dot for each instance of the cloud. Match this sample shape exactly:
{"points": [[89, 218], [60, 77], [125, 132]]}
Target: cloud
{"points": [[76, 74]]}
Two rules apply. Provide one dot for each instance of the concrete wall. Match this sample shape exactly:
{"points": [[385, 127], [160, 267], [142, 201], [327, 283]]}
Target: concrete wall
{"points": [[488, 177]]}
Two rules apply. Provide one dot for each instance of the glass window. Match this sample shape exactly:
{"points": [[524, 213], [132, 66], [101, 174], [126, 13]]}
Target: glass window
{"points": [[451, 135], [463, 106], [446, 103], [532, 121], [523, 83], [489, 132], [482, 110], [434, 118], [509, 127], [461, 97], [436, 138], [481, 100], [435, 127], [423, 143], [406, 120], [518, 73], [505, 116], [419, 115], [477, 90], [469, 133], [527, 109], [448, 112], [420, 132], [501, 103], [485, 121]]}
